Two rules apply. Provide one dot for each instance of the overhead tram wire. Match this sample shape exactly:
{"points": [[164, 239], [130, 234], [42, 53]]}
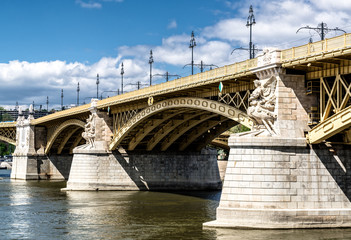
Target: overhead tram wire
{"points": [[322, 29], [167, 75], [202, 66]]}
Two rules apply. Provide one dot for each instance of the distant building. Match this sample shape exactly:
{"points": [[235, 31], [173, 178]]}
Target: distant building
{"points": [[14, 114]]}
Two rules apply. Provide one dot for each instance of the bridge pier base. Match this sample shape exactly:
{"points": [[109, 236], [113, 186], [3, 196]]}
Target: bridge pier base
{"points": [[277, 183], [25, 168], [119, 170]]}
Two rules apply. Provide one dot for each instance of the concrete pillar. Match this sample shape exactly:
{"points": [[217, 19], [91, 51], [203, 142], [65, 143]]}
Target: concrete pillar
{"points": [[274, 179]]}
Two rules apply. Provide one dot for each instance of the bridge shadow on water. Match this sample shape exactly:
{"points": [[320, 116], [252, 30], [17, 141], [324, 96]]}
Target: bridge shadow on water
{"points": [[167, 172]]}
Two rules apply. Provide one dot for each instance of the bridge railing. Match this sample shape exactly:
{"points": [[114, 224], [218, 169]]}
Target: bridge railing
{"points": [[326, 45], [7, 124], [227, 70]]}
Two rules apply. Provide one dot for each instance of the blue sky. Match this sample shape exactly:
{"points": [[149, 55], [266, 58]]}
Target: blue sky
{"points": [[49, 45], [86, 31]]}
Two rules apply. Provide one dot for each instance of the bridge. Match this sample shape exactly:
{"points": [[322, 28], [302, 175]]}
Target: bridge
{"points": [[290, 171]]}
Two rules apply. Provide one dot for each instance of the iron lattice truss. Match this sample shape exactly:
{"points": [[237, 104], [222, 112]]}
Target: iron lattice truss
{"points": [[239, 100], [8, 134]]}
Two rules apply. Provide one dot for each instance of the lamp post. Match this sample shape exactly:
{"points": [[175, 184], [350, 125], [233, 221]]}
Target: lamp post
{"points": [[251, 21], [122, 73], [192, 45], [61, 99], [78, 89], [97, 86], [47, 103], [151, 61]]}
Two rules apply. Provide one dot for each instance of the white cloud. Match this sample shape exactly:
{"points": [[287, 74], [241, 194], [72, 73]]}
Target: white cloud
{"points": [[95, 3], [90, 4], [327, 5], [276, 26], [34, 81], [172, 24], [278, 21]]}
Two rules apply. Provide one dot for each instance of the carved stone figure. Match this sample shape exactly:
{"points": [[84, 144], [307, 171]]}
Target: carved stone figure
{"points": [[262, 103], [89, 132]]}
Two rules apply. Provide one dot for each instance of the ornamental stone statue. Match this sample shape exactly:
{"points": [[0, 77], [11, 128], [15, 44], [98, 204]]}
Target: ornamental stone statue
{"points": [[262, 103], [89, 131]]}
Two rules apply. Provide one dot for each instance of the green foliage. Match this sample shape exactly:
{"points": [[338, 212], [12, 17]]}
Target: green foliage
{"points": [[6, 149], [239, 128], [2, 109], [6, 117]]}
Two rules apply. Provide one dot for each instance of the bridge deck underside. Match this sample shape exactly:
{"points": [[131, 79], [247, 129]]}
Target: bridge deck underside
{"points": [[176, 129], [68, 139]]}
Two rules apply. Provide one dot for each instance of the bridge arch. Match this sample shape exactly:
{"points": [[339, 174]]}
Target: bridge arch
{"points": [[8, 132], [205, 108], [52, 137], [8, 140]]}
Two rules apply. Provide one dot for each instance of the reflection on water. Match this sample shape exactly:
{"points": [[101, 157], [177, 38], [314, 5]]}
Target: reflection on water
{"points": [[307, 234], [39, 210], [141, 215]]}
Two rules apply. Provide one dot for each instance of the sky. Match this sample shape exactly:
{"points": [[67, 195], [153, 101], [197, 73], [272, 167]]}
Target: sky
{"points": [[49, 45]]}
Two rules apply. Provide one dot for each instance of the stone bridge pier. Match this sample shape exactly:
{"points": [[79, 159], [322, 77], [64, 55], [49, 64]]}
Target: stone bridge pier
{"points": [[95, 167], [92, 166], [274, 179], [29, 160]]}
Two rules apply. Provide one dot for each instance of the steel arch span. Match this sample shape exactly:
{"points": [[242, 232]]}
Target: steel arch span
{"points": [[206, 109], [52, 137]]}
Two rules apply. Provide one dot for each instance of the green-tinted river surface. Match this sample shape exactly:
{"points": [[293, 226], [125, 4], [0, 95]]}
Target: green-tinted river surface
{"points": [[39, 210]]}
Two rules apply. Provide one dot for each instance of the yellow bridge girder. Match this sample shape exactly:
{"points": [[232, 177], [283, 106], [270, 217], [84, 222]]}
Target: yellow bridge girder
{"points": [[319, 60], [8, 132], [331, 126], [205, 105], [52, 137]]}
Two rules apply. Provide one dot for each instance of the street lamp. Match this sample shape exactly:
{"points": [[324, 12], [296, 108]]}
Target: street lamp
{"points": [[151, 61], [192, 45], [122, 73], [78, 89], [47, 103], [251, 21], [61, 99], [97, 86]]}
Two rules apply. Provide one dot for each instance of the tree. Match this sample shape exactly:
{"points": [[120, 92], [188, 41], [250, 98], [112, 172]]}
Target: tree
{"points": [[6, 149], [6, 117], [239, 128]]}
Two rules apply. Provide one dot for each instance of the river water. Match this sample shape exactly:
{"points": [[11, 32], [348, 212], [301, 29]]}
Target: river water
{"points": [[39, 210]]}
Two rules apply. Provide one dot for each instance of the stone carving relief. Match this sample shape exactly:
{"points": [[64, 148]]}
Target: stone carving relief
{"points": [[262, 104], [24, 134], [89, 130], [268, 56]]}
